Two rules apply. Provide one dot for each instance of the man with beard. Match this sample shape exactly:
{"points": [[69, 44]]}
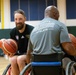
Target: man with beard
{"points": [[21, 35]]}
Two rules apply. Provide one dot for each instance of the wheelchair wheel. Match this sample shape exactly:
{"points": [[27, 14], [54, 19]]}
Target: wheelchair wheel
{"points": [[6, 70], [69, 68], [26, 70]]}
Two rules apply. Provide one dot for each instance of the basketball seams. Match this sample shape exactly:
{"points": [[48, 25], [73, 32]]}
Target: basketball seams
{"points": [[6, 49], [11, 45], [15, 43], [8, 46], [11, 41]]}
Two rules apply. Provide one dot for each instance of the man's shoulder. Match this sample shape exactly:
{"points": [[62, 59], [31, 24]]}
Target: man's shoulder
{"points": [[28, 25], [13, 30], [29, 28]]}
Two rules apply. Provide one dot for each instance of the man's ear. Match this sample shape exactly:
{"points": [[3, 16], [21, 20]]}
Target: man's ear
{"points": [[54, 14]]}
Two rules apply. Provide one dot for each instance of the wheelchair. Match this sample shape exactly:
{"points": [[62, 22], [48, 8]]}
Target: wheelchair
{"points": [[40, 66]]}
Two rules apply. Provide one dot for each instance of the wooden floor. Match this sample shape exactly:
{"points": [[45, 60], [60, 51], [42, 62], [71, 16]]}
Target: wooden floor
{"points": [[3, 63]]}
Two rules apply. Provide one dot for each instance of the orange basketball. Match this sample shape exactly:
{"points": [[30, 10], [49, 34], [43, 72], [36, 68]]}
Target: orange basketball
{"points": [[1, 41], [73, 39], [9, 46]]}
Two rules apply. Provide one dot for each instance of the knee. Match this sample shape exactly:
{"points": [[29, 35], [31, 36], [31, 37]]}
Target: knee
{"points": [[21, 60], [13, 60]]}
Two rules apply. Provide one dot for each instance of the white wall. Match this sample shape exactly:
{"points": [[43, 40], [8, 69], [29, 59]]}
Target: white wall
{"points": [[71, 22], [33, 23], [6, 13], [0, 25]]}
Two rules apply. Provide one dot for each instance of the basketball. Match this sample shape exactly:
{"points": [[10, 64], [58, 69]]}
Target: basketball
{"points": [[73, 39], [9, 46], [1, 42]]}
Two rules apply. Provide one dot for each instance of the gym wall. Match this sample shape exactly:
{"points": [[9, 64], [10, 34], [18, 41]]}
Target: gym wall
{"points": [[4, 33]]}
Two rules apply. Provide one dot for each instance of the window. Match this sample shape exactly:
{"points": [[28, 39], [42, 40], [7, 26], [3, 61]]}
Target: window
{"points": [[71, 9], [34, 9]]}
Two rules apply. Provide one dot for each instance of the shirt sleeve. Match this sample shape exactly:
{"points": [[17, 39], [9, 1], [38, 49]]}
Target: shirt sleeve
{"points": [[64, 37], [30, 46]]}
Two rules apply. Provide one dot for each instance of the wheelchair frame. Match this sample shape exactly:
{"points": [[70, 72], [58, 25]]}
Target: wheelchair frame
{"points": [[68, 68], [39, 61]]}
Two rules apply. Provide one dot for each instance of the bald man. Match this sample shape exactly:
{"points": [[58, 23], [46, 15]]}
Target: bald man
{"points": [[50, 36]]}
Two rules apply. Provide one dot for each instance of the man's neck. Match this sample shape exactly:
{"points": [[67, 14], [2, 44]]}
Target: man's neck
{"points": [[22, 30]]}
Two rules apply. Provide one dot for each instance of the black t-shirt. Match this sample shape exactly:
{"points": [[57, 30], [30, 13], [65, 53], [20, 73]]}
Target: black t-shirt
{"points": [[21, 38]]}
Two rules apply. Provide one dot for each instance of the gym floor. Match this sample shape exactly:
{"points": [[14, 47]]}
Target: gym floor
{"points": [[3, 63]]}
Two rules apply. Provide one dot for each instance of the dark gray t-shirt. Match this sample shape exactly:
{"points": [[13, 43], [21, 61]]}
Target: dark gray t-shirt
{"points": [[47, 37]]}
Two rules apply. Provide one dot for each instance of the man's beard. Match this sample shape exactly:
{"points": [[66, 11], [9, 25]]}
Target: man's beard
{"points": [[20, 26]]}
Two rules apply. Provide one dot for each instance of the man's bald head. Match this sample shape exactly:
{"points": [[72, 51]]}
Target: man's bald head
{"points": [[52, 11]]}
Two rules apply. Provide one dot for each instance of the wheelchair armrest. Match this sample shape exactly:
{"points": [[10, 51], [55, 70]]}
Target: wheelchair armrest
{"points": [[46, 64]]}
